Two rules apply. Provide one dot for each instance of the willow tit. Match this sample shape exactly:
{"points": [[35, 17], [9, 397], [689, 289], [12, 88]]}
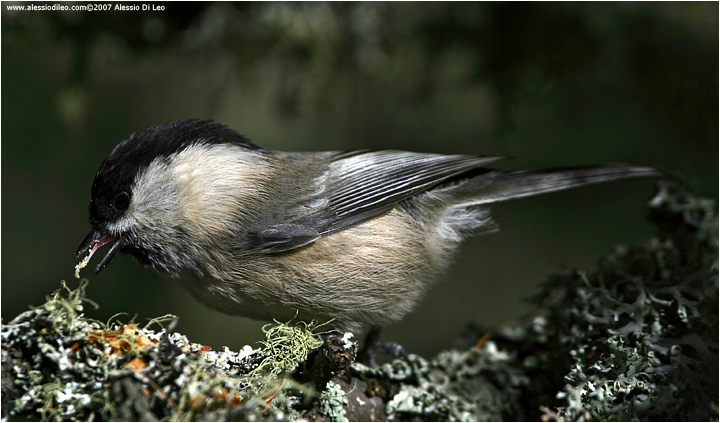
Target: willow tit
{"points": [[354, 237]]}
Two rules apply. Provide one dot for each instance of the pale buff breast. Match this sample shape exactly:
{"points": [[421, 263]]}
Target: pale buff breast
{"points": [[372, 273]]}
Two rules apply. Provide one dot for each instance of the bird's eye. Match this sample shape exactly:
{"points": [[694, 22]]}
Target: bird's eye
{"points": [[122, 201]]}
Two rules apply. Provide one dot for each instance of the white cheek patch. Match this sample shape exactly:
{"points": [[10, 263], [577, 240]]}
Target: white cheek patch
{"points": [[217, 184], [154, 200]]}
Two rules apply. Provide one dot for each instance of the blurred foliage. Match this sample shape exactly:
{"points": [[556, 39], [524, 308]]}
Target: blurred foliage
{"points": [[550, 84]]}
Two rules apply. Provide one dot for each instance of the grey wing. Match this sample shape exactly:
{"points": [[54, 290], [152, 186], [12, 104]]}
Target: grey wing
{"points": [[360, 186], [367, 185]]}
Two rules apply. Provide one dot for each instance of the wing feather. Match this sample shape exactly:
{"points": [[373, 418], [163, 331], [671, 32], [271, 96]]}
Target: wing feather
{"points": [[361, 184], [356, 187]]}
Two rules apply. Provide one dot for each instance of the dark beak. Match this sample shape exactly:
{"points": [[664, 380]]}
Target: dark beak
{"points": [[93, 242]]}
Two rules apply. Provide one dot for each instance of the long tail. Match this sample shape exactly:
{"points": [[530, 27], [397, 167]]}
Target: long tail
{"points": [[500, 186]]}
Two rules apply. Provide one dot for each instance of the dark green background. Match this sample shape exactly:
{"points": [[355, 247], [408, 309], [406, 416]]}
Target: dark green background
{"points": [[548, 84]]}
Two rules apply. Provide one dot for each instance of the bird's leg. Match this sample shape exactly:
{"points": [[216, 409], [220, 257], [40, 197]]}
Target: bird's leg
{"points": [[372, 345]]}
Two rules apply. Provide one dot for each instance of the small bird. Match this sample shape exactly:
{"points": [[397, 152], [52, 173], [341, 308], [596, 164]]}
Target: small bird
{"points": [[355, 237]]}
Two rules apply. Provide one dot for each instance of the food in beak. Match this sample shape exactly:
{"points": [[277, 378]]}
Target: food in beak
{"points": [[92, 243]]}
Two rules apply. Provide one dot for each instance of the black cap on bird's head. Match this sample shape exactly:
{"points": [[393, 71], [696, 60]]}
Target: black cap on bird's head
{"points": [[111, 193]]}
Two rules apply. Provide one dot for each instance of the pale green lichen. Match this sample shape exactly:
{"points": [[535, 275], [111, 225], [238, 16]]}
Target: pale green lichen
{"points": [[68, 367], [285, 346], [332, 402], [456, 385], [74, 368], [638, 339]]}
